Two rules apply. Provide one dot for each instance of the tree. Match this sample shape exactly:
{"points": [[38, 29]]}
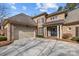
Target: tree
{"points": [[70, 6], [3, 13], [60, 8]]}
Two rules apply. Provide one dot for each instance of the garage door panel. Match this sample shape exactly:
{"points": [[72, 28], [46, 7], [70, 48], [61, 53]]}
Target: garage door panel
{"points": [[23, 32]]}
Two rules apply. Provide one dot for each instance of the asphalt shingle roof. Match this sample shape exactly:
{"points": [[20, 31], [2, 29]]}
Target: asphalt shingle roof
{"points": [[22, 19], [72, 16]]}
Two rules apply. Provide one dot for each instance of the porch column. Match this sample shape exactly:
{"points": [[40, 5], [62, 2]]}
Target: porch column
{"points": [[49, 33], [61, 31], [12, 33], [34, 33], [58, 32], [45, 31], [8, 32]]}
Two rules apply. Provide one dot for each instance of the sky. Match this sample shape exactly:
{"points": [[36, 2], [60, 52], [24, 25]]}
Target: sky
{"points": [[33, 9]]}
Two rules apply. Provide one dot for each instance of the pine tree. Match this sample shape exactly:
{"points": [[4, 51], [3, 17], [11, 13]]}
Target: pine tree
{"points": [[60, 8], [70, 6]]}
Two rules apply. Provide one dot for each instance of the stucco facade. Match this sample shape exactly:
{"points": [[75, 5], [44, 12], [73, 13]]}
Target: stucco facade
{"points": [[47, 19], [8, 33], [40, 24], [59, 17], [15, 32], [16, 28], [59, 23], [46, 25], [70, 29]]}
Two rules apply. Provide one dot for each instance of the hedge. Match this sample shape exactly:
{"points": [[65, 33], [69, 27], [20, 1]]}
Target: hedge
{"points": [[75, 39], [3, 38], [40, 36]]}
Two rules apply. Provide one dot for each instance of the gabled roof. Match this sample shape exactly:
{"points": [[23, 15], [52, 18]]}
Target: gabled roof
{"points": [[21, 19], [39, 15], [49, 15], [71, 19], [56, 13], [72, 16]]}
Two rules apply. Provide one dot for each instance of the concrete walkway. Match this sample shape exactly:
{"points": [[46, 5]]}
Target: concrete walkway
{"points": [[40, 47]]}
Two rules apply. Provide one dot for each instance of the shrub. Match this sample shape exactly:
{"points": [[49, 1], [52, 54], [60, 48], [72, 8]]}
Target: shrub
{"points": [[40, 36], [75, 39], [66, 35], [3, 38]]}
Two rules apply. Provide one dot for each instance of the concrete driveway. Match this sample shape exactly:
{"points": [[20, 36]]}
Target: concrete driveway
{"points": [[40, 47]]}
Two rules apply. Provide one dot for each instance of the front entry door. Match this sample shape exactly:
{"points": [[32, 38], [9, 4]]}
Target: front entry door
{"points": [[54, 31]]}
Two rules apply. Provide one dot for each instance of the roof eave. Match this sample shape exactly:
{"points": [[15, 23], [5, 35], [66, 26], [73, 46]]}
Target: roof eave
{"points": [[39, 15], [56, 13]]}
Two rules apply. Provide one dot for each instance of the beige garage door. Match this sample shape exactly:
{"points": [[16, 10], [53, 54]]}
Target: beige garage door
{"points": [[23, 32]]}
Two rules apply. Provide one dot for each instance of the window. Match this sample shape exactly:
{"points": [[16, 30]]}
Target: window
{"points": [[40, 31], [69, 28], [53, 18], [66, 15], [41, 20], [5, 31], [38, 20]]}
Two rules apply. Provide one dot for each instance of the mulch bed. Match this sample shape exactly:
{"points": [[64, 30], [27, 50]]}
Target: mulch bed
{"points": [[66, 40], [4, 43]]}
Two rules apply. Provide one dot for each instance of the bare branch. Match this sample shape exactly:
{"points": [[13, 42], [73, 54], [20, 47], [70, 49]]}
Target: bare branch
{"points": [[3, 12]]}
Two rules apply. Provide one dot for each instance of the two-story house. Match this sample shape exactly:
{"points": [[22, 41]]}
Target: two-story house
{"points": [[48, 25], [58, 23]]}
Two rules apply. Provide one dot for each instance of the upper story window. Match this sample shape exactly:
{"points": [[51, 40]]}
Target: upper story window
{"points": [[41, 20], [51, 18], [69, 28], [37, 20], [40, 30], [66, 15], [54, 18]]}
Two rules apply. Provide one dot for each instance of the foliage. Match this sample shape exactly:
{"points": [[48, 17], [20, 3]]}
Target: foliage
{"points": [[60, 8], [4, 12], [70, 6], [3, 38], [40, 36], [75, 39]]}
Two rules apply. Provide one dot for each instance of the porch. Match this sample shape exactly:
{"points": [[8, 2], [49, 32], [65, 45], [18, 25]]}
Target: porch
{"points": [[53, 29]]}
